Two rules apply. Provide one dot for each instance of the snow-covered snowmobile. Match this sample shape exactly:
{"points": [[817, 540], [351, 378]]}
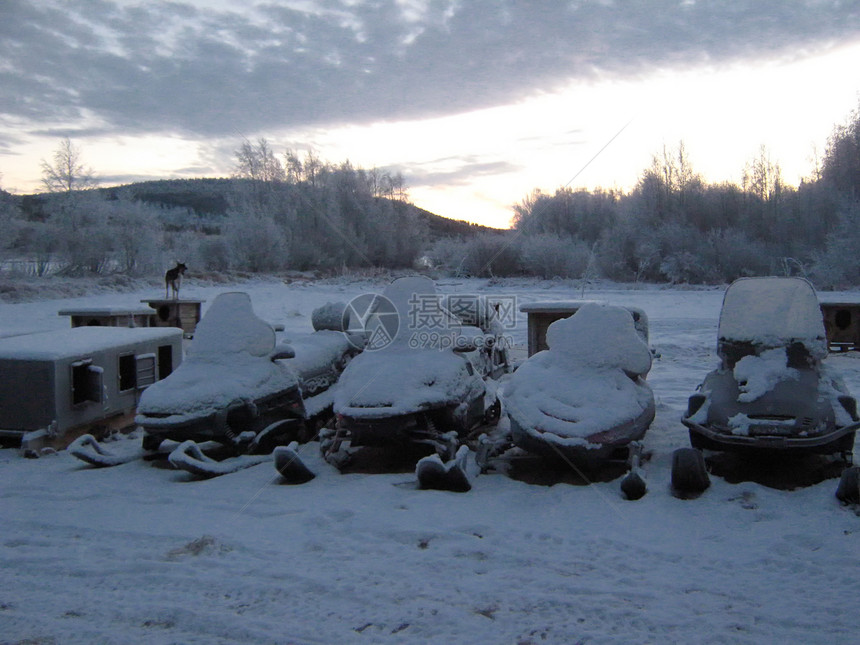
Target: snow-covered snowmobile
{"points": [[423, 387], [771, 392], [582, 401], [240, 391]]}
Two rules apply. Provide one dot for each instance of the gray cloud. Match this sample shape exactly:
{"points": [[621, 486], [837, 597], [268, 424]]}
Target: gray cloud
{"points": [[180, 68], [463, 170]]}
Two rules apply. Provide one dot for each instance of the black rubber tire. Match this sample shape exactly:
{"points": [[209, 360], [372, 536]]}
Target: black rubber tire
{"points": [[848, 491], [689, 474]]}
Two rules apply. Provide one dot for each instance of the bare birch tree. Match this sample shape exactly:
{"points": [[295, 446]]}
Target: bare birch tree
{"points": [[67, 173]]}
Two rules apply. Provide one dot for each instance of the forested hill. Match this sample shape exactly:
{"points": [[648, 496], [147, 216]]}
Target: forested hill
{"points": [[334, 218], [213, 197]]}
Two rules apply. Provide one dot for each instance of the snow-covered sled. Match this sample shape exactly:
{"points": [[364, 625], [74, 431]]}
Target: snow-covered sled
{"points": [[582, 401], [771, 392], [425, 388], [238, 388]]}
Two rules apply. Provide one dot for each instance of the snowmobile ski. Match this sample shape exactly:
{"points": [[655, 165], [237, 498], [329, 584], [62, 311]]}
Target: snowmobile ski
{"points": [[87, 448], [189, 457]]}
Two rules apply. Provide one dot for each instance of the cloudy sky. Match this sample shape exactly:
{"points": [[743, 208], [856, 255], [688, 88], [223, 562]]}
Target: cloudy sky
{"points": [[476, 102]]}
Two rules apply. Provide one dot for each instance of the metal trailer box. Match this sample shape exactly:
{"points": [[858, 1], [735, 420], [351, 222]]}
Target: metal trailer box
{"points": [[841, 324], [56, 385], [110, 317], [542, 314], [184, 314]]}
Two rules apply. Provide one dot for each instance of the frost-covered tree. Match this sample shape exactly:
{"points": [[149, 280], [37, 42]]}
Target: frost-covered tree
{"points": [[256, 243], [841, 165], [550, 257], [839, 264], [258, 162], [67, 173]]}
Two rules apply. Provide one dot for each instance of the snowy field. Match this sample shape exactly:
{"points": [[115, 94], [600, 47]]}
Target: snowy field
{"points": [[139, 554]]}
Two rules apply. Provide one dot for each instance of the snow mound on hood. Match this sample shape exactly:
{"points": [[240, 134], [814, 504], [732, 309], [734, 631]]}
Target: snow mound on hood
{"points": [[758, 375], [329, 317], [773, 312], [581, 386], [316, 351], [403, 377], [228, 361], [398, 380]]}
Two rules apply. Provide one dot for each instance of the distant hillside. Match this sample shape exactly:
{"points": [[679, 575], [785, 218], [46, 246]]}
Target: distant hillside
{"points": [[439, 226], [212, 197], [203, 196]]}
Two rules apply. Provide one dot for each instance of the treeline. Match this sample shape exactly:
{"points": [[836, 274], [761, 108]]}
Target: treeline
{"points": [[674, 227], [300, 214], [291, 212]]}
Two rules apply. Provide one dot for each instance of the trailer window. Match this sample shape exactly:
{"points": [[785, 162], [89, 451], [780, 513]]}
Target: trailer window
{"points": [[165, 361], [87, 381], [127, 372], [145, 370]]}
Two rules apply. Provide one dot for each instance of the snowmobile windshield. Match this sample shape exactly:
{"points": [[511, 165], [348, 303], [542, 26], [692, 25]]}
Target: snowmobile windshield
{"points": [[765, 313], [418, 369], [600, 336], [230, 327], [228, 361], [420, 310]]}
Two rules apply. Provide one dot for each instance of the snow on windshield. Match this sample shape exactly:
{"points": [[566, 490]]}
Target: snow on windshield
{"points": [[228, 361], [231, 327], [406, 376], [578, 386], [419, 308], [600, 335], [770, 312]]}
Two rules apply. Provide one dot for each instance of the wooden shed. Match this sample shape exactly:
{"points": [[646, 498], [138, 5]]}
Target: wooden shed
{"points": [[841, 324], [542, 314], [184, 314], [110, 317], [56, 385]]}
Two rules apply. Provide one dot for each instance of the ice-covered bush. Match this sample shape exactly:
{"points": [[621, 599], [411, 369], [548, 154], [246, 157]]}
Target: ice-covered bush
{"points": [[548, 256]]}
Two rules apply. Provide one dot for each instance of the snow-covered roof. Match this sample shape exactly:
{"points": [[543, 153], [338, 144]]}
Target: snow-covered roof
{"points": [[106, 311], [80, 341], [771, 312], [563, 306]]}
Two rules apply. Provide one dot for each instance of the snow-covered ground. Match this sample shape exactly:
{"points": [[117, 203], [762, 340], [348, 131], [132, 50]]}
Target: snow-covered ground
{"points": [[138, 554]]}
